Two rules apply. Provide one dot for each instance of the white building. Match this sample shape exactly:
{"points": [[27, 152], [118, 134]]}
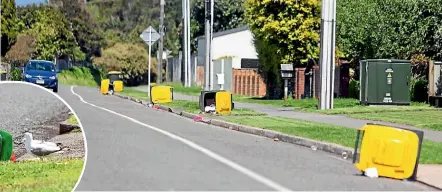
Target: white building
{"points": [[237, 43]]}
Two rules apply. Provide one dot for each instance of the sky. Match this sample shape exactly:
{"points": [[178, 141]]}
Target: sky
{"points": [[25, 2]]}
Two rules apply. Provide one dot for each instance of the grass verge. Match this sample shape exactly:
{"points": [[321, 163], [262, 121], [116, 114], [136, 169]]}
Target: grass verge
{"points": [[179, 88], [82, 76], [193, 107], [73, 120], [431, 151], [45, 176], [422, 119], [132, 92]]}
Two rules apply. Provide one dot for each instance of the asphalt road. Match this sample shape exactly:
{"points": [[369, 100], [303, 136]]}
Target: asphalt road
{"points": [[26, 108], [131, 147]]}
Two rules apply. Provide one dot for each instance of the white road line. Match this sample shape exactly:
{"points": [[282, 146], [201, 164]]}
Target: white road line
{"points": [[195, 146]]}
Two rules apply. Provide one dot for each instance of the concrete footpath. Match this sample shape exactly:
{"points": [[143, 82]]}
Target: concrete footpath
{"points": [[430, 175]]}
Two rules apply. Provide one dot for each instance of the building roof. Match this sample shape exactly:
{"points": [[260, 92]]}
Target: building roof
{"points": [[227, 32]]}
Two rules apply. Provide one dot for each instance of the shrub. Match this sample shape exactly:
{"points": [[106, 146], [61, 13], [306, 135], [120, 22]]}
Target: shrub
{"points": [[353, 91], [16, 74], [419, 90]]}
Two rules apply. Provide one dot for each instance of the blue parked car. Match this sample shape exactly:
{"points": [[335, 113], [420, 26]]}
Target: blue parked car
{"points": [[42, 73]]}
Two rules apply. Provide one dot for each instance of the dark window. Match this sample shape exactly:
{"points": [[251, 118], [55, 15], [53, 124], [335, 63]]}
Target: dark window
{"points": [[40, 65]]}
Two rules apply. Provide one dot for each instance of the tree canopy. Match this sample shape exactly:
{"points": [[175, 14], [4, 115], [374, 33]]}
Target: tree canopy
{"points": [[8, 26], [389, 29], [292, 26], [50, 29], [129, 58]]}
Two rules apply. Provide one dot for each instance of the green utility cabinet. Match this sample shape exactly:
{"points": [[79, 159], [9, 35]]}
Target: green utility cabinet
{"points": [[385, 82]]}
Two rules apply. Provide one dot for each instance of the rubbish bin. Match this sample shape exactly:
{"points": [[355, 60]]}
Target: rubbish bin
{"points": [[393, 151], [3, 75], [222, 100], [435, 101], [161, 94], [6, 146]]}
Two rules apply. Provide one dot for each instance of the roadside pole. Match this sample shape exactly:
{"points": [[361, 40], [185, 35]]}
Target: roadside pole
{"points": [[189, 50], [160, 46], [149, 36], [327, 53], [207, 48], [184, 38]]}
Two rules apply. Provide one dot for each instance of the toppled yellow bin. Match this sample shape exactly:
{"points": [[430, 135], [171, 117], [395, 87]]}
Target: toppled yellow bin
{"points": [[113, 83], [393, 152], [161, 94], [219, 102]]}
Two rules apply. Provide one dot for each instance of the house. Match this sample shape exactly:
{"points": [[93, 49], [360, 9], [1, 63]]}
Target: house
{"points": [[237, 43]]}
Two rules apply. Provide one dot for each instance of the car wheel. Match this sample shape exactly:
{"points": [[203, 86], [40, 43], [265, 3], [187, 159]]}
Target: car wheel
{"points": [[55, 90]]}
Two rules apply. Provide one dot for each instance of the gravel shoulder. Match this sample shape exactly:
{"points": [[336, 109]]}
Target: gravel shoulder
{"points": [[26, 108]]}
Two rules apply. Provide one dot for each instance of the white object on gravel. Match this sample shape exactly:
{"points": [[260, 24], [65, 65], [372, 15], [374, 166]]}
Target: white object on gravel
{"points": [[38, 147]]}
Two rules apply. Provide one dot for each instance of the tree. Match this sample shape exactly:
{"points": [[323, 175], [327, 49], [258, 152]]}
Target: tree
{"points": [[51, 31], [355, 19], [8, 26], [21, 51], [292, 26], [268, 68], [389, 29], [131, 59], [431, 14], [228, 14], [124, 20], [87, 33]]}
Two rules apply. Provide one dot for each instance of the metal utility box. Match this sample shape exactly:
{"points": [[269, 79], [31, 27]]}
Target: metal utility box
{"points": [[219, 99], [385, 82], [393, 151], [161, 94], [286, 71]]}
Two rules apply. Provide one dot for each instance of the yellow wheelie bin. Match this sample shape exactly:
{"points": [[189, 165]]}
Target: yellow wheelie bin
{"points": [[393, 151], [113, 83]]}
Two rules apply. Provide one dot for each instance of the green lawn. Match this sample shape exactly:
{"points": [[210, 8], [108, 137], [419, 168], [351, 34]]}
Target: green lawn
{"points": [[81, 76], [179, 88], [132, 92], [72, 120], [193, 107], [422, 119], [41, 176], [431, 151]]}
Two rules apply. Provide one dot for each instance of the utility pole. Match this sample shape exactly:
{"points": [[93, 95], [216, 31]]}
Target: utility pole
{"points": [[207, 81], [212, 5], [160, 45], [327, 54], [184, 40], [189, 50]]}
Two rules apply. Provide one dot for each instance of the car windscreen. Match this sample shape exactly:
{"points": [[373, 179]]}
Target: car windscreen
{"points": [[40, 65]]}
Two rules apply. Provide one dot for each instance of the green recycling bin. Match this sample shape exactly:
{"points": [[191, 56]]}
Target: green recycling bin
{"points": [[6, 147]]}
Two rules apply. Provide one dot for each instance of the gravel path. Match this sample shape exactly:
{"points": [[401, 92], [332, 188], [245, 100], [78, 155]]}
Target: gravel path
{"points": [[26, 108]]}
